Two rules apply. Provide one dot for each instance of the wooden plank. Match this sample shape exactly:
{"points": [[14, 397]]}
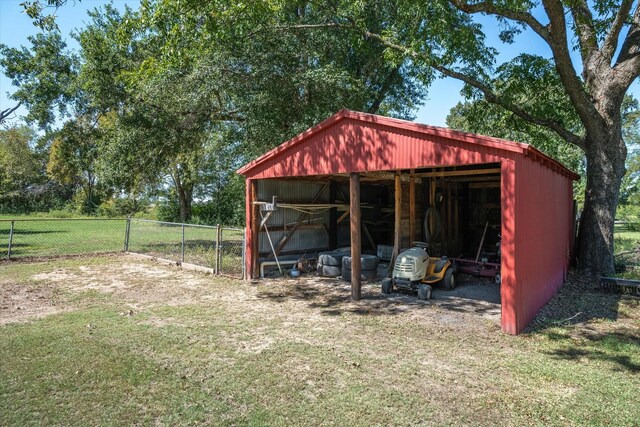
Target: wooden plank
{"points": [[412, 209], [467, 179], [467, 172], [342, 217], [356, 239], [285, 239], [255, 229], [368, 235], [489, 184], [397, 222]]}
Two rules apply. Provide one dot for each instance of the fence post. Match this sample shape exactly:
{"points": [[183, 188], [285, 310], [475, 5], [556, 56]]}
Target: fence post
{"points": [[126, 234], [244, 255], [182, 258], [218, 249], [10, 240]]}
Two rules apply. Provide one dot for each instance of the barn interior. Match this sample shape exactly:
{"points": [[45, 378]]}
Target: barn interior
{"points": [[456, 210]]}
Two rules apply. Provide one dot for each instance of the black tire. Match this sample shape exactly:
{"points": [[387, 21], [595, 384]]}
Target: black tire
{"points": [[329, 270], [424, 292], [367, 262], [449, 279], [387, 286], [365, 275], [330, 258]]}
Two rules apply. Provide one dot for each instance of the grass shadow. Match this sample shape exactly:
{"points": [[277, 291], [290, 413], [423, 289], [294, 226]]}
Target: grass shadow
{"points": [[580, 320]]}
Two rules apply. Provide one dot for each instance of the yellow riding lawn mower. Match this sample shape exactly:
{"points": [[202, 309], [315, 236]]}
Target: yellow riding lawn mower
{"points": [[415, 271]]}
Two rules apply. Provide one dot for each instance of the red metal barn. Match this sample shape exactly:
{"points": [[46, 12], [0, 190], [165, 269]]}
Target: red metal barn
{"points": [[385, 174]]}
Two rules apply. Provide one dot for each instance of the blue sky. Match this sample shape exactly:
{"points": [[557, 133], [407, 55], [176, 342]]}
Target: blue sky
{"points": [[15, 27]]}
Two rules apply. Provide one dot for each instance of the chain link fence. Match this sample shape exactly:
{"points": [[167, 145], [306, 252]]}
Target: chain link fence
{"points": [[218, 248], [231, 261], [23, 238]]}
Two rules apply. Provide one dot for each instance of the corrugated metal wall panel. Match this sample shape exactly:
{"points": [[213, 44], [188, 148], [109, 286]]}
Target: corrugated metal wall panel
{"points": [[294, 192], [350, 147], [544, 233]]}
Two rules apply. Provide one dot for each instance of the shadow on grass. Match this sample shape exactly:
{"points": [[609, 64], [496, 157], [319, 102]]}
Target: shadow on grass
{"points": [[568, 319], [23, 231], [579, 301], [599, 346]]}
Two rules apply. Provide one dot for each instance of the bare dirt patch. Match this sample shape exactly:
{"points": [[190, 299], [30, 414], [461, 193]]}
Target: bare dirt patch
{"points": [[470, 305], [19, 303]]}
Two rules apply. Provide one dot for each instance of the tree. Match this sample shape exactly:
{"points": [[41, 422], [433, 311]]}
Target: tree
{"points": [[72, 159], [19, 165], [441, 37], [45, 75], [177, 75]]}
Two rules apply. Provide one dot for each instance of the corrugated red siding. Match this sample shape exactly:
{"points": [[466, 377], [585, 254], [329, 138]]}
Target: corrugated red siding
{"points": [[350, 147], [543, 238], [536, 192]]}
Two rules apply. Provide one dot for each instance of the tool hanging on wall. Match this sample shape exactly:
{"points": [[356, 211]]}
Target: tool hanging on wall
{"points": [[266, 209]]}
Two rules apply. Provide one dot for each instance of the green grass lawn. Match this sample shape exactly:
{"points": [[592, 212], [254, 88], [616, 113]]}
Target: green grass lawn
{"points": [[50, 237], [628, 240], [116, 341], [46, 237]]}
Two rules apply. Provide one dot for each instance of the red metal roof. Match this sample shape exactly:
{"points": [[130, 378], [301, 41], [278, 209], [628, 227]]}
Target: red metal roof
{"points": [[426, 130]]}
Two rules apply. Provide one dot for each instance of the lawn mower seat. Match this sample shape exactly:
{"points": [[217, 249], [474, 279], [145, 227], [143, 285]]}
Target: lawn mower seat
{"points": [[439, 265]]}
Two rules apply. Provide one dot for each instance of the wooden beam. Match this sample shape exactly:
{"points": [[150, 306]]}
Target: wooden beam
{"points": [[412, 208], [255, 229], [475, 178], [372, 243], [397, 223], [466, 172], [342, 217], [356, 239]]}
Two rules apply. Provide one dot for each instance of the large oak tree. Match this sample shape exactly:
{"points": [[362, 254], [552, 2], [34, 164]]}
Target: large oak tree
{"points": [[444, 37]]}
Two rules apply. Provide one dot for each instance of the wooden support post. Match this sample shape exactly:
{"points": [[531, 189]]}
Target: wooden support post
{"points": [[333, 217], [412, 208], [254, 249], [356, 238], [397, 223]]}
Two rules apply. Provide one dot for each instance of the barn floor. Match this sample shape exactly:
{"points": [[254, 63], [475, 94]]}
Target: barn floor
{"points": [[121, 341]]}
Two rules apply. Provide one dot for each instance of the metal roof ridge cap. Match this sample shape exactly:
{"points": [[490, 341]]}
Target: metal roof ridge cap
{"points": [[329, 121], [468, 137], [540, 157]]}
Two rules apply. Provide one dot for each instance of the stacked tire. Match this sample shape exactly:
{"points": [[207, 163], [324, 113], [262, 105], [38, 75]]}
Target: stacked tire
{"points": [[368, 267], [330, 263]]}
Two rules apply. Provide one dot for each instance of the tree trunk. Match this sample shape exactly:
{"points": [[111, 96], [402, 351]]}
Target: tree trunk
{"points": [[185, 194], [185, 197], [606, 154]]}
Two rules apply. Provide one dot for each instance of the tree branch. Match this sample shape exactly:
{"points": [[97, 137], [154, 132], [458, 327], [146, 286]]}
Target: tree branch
{"points": [[611, 39], [628, 62], [559, 45], [583, 20], [489, 7], [382, 93], [488, 93], [554, 34], [6, 113]]}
